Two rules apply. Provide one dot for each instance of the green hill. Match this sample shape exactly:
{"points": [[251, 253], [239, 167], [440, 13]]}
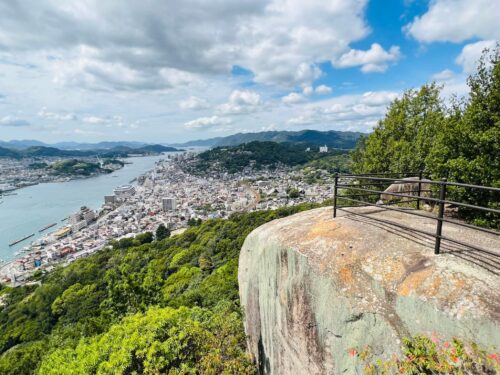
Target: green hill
{"points": [[159, 307], [257, 154], [312, 138]]}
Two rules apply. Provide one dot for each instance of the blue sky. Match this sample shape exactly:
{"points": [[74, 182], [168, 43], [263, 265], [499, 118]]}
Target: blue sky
{"points": [[160, 71]]}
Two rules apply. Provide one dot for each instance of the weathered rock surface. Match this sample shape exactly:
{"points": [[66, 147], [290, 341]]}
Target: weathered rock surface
{"points": [[313, 287]]}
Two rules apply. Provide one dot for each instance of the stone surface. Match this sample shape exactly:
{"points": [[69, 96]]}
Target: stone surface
{"points": [[313, 287]]}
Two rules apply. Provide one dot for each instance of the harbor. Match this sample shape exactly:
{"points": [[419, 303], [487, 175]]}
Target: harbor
{"points": [[33, 207]]}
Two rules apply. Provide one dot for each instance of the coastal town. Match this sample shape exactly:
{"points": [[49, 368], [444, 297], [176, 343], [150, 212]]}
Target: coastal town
{"points": [[18, 173], [170, 195]]}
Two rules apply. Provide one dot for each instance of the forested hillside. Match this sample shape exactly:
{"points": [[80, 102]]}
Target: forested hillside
{"points": [[313, 138], [144, 306], [257, 154]]}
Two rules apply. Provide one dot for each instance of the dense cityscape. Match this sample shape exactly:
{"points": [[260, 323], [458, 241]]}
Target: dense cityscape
{"points": [[167, 195]]}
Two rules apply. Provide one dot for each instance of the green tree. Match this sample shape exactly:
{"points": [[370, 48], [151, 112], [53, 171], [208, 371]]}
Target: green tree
{"points": [[403, 139], [162, 232]]}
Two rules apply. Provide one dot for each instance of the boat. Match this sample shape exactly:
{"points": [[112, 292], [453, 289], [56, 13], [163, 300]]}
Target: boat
{"points": [[21, 240], [47, 227]]}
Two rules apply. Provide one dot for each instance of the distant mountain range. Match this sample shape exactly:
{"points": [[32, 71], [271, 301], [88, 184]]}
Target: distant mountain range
{"points": [[308, 138], [117, 151], [24, 144]]}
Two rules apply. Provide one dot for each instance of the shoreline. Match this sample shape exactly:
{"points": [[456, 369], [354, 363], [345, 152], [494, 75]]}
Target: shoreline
{"points": [[13, 258]]}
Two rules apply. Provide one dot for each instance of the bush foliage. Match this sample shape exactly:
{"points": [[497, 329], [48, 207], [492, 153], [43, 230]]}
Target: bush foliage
{"points": [[144, 306]]}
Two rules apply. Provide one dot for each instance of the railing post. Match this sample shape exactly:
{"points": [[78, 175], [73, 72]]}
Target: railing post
{"points": [[335, 183], [439, 229], [419, 189]]}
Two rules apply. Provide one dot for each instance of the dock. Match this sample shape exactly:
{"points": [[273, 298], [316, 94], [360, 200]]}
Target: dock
{"points": [[47, 227], [21, 240]]}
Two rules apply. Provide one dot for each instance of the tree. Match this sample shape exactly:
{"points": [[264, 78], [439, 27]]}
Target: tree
{"points": [[162, 232], [403, 139]]}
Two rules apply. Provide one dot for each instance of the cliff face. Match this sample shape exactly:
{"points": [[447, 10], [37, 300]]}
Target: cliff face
{"points": [[313, 287]]}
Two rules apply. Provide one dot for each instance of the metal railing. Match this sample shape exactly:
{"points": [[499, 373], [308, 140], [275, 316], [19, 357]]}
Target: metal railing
{"points": [[364, 186]]}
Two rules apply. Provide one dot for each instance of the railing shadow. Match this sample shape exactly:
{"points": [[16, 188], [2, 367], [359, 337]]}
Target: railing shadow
{"points": [[484, 260]]}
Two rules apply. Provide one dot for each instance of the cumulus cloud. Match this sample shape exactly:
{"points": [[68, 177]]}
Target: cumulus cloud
{"points": [[456, 21], [207, 122], [376, 59], [130, 45], [319, 90], [95, 120], [293, 98], [241, 101], [469, 57], [348, 112], [444, 75], [378, 98], [64, 116], [323, 90], [194, 103], [13, 121]]}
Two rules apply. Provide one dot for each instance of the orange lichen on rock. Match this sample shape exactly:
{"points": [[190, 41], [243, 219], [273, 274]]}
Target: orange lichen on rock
{"points": [[414, 282]]}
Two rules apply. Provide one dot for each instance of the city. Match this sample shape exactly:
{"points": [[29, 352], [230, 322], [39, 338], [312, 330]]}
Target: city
{"points": [[171, 196]]}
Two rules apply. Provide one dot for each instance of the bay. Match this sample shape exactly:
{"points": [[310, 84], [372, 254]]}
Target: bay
{"points": [[35, 207]]}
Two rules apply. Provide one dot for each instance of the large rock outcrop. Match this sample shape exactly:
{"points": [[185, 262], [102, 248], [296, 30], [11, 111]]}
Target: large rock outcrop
{"points": [[312, 287]]}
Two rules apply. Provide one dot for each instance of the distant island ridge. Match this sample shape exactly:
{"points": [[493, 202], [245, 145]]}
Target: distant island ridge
{"points": [[308, 138]]}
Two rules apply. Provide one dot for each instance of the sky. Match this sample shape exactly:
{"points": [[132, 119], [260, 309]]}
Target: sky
{"points": [[171, 71]]}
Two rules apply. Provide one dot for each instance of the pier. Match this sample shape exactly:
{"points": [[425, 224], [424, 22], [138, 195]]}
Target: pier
{"points": [[21, 240], [47, 227]]}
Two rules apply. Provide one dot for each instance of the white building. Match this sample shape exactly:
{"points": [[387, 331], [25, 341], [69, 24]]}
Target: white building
{"points": [[323, 148], [169, 204], [124, 191]]}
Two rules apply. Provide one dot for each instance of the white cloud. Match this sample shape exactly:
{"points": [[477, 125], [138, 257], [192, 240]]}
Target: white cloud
{"points": [[319, 90], [207, 122], [241, 101], [94, 120], [378, 98], [13, 121], [56, 116], [444, 75], [128, 45], [194, 103], [456, 21], [469, 57], [302, 120], [376, 59], [293, 98], [308, 90], [323, 90], [348, 112]]}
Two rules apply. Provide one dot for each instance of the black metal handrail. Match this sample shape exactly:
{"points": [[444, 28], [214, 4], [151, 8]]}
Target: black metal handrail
{"points": [[358, 184]]}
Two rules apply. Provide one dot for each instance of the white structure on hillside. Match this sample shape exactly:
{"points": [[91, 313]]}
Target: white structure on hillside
{"points": [[323, 148]]}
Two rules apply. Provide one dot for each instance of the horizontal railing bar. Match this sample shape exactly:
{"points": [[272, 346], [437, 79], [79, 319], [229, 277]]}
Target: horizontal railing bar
{"points": [[367, 195], [486, 230], [410, 212], [380, 174], [490, 188], [487, 209], [383, 192], [429, 199]]}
